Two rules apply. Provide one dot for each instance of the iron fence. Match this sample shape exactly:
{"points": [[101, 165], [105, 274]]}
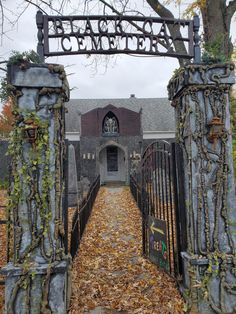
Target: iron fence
{"points": [[136, 191], [81, 216], [161, 200]]}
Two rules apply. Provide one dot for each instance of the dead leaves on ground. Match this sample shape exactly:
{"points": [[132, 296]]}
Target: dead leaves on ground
{"points": [[3, 242], [109, 270]]}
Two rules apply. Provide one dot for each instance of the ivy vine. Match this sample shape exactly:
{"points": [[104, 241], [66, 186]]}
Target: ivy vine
{"points": [[208, 217], [36, 149], [32, 181]]}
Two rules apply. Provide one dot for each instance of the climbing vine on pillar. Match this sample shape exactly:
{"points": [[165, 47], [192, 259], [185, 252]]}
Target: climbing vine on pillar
{"points": [[200, 94], [36, 277], [26, 176]]}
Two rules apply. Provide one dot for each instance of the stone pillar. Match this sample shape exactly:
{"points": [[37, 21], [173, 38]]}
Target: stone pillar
{"points": [[73, 197], [37, 276], [200, 95]]}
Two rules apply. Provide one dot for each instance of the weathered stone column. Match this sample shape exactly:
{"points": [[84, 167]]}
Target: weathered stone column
{"points": [[37, 276], [200, 95]]}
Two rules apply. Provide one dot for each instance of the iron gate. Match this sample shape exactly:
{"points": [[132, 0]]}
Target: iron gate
{"points": [[163, 206]]}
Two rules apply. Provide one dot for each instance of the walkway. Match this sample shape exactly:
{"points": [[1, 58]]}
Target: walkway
{"points": [[109, 273]]}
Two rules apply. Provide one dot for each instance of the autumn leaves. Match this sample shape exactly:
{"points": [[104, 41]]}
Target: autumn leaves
{"points": [[109, 271]]}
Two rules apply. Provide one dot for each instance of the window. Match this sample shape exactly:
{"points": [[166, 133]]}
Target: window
{"points": [[112, 158], [110, 124]]}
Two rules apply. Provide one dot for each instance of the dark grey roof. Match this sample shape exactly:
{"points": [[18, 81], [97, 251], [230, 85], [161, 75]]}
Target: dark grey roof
{"points": [[157, 113]]}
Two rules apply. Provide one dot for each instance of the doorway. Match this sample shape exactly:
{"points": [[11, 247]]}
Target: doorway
{"points": [[112, 164]]}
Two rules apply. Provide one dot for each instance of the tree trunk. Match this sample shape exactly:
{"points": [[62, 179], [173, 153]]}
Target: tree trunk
{"points": [[174, 30], [216, 24], [216, 16]]}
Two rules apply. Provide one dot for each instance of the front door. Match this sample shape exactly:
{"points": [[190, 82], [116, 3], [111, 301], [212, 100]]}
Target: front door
{"points": [[112, 164], [112, 160]]}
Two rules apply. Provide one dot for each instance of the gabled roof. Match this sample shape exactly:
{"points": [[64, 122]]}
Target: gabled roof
{"points": [[157, 113]]}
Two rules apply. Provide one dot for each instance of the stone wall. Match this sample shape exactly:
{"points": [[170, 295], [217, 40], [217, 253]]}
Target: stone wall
{"points": [[200, 95]]}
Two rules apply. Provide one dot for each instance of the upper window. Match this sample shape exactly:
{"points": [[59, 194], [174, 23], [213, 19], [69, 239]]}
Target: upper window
{"points": [[110, 124]]}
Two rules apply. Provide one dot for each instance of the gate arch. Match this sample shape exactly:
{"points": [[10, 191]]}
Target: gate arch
{"points": [[120, 147]]}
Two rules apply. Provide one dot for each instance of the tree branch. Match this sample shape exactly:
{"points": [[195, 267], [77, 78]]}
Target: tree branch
{"points": [[49, 5], [231, 8], [130, 22], [2, 18], [163, 12], [37, 6], [110, 7], [160, 9], [229, 12]]}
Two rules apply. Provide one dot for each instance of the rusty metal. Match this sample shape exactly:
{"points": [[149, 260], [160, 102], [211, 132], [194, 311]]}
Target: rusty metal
{"points": [[216, 127], [30, 131], [104, 34]]}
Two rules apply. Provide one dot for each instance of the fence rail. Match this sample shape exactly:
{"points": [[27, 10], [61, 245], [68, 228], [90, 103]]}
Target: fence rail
{"points": [[136, 191], [81, 216]]}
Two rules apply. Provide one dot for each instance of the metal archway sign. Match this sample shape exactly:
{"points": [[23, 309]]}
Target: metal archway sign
{"points": [[114, 34]]}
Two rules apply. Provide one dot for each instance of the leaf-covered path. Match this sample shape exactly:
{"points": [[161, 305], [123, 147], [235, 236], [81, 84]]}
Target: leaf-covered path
{"points": [[109, 273]]}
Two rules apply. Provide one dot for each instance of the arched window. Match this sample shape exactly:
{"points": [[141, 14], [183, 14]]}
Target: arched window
{"points": [[110, 124]]}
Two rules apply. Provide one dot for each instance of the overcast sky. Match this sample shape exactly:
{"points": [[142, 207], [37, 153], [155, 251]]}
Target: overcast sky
{"points": [[125, 75]]}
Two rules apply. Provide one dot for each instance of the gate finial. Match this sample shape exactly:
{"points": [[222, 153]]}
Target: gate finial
{"points": [[40, 48], [196, 38]]}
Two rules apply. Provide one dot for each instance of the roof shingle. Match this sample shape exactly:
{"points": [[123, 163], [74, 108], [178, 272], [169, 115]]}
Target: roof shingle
{"points": [[157, 113]]}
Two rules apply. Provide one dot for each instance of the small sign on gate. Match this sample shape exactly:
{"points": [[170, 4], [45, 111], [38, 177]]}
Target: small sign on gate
{"points": [[157, 237]]}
